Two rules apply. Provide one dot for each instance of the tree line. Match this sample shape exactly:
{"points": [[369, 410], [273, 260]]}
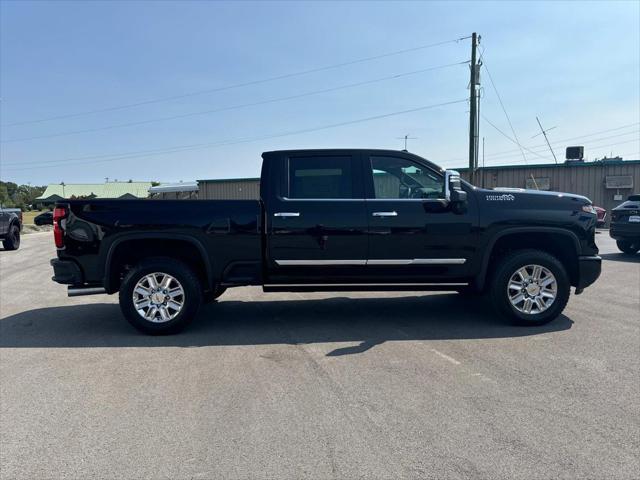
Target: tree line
{"points": [[19, 196]]}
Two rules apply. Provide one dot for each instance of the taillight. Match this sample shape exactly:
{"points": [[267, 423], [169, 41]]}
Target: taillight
{"points": [[59, 216]]}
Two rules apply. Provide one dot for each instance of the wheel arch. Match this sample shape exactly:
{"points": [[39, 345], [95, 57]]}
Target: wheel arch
{"points": [[15, 221], [562, 243], [156, 244]]}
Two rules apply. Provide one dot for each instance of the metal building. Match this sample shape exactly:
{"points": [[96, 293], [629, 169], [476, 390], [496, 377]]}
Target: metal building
{"points": [[174, 191], [229, 189]]}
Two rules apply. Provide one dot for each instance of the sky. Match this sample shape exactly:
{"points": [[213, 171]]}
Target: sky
{"points": [[178, 91]]}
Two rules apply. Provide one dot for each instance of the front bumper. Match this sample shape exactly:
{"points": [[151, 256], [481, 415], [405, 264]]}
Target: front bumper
{"points": [[66, 272], [589, 268]]}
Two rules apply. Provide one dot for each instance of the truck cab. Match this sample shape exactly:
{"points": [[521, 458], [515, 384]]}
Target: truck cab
{"points": [[364, 217]]}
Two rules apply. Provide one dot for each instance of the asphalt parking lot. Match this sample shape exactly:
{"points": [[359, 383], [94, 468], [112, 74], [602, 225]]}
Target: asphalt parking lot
{"points": [[365, 385]]}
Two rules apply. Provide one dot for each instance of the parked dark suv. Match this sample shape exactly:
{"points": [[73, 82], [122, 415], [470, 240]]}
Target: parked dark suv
{"points": [[625, 225]]}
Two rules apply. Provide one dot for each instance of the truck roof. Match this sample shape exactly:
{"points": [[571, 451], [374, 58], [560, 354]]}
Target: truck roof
{"points": [[337, 151]]}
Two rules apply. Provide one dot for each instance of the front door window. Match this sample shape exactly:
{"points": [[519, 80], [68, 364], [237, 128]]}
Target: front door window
{"points": [[398, 178]]}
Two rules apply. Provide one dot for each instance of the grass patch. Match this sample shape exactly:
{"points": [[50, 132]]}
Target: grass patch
{"points": [[27, 217]]}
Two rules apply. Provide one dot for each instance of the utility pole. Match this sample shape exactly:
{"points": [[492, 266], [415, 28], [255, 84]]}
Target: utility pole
{"points": [[482, 162], [544, 132], [473, 110]]}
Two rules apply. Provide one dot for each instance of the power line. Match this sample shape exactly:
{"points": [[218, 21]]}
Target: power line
{"points": [[450, 162], [595, 147], [513, 131], [557, 141], [512, 140], [561, 142], [178, 149], [540, 145], [238, 106], [237, 85]]}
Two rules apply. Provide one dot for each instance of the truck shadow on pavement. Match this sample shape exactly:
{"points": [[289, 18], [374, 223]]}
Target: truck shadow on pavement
{"points": [[621, 257], [366, 321]]}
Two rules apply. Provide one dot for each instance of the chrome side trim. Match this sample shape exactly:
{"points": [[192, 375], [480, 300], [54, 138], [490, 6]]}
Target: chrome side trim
{"points": [[385, 214], [390, 262], [439, 261], [286, 214], [287, 199], [407, 261], [419, 261], [364, 284], [319, 262], [423, 200]]}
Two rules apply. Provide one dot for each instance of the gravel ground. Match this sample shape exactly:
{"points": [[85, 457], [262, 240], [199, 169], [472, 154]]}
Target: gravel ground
{"points": [[365, 385]]}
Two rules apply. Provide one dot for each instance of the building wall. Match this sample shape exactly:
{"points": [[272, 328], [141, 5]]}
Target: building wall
{"points": [[241, 189], [587, 179], [174, 196]]}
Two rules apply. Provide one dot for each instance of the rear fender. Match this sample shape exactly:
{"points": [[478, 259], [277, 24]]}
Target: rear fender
{"points": [[113, 246]]}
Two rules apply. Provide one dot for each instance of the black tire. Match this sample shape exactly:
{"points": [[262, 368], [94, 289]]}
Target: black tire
{"points": [[210, 297], [502, 276], [628, 247], [192, 298], [12, 240]]}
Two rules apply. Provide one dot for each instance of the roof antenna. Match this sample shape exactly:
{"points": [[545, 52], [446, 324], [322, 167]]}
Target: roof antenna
{"points": [[544, 132], [405, 138]]}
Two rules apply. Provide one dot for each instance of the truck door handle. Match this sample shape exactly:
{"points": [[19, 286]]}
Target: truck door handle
{"points": [[286, 214], [385, 214]]}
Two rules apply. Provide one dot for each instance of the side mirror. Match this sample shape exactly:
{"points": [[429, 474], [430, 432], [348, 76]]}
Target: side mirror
{"points": [[453, 192]]}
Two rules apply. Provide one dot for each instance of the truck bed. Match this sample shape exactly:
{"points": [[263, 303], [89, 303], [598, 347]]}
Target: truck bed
{"points": [[217, 228]]}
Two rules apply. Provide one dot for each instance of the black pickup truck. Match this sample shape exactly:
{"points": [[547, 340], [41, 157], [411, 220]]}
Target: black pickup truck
{"points": [[332, 220], [10, 227]]}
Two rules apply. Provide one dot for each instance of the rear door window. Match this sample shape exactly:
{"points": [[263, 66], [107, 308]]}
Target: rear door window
{"points": [[321, 177]]}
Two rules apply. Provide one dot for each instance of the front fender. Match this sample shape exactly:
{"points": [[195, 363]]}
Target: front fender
{"points": [[481, 277]]}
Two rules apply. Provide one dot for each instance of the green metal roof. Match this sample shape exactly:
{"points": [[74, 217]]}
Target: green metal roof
{"points": [[100, 190]]}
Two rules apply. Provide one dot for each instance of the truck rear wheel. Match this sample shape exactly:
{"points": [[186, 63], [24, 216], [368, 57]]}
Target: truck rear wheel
{"points": [[530, 287], [625, 246], [160, 296], [12, 240]]}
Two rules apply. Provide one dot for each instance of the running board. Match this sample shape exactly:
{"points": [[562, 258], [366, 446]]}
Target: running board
{"points": [[80, 291], [373, 287]]}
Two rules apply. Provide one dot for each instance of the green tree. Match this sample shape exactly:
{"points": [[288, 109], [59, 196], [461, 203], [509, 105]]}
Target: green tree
{"points": [[5, 200]]}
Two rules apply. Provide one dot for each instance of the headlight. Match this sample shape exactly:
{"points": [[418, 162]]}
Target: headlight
{"points": [[589, 209]]}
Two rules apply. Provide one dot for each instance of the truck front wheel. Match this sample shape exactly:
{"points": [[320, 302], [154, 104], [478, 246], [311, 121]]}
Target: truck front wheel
{"points": [[530, 287], [160, 296]]}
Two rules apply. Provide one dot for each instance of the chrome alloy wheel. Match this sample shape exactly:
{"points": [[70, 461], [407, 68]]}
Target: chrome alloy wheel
{"points": [[158, 297], [532, 289]]}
